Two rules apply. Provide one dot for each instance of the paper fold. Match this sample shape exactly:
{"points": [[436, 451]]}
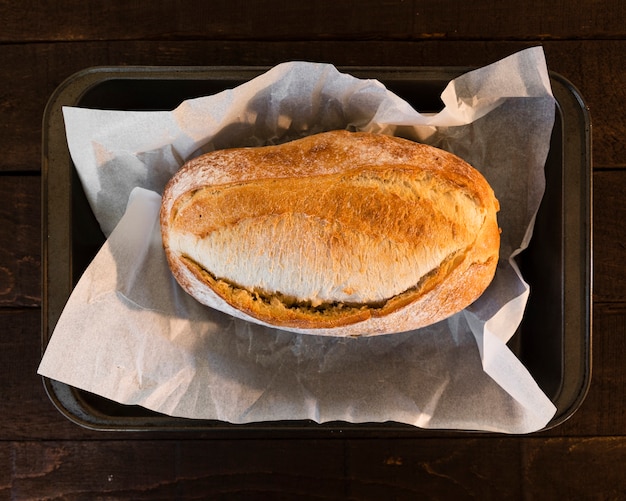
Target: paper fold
{"points": [[130, 334]]}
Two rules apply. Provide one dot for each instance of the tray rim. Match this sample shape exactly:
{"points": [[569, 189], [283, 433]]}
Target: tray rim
{"points": [[69, 92]]}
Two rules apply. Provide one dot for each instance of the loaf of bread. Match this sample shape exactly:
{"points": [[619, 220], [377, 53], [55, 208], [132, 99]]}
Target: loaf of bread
{"points": [[339, 233]]}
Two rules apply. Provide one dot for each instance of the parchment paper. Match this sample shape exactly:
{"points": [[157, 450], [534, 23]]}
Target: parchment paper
{"points": [[129, 333]]}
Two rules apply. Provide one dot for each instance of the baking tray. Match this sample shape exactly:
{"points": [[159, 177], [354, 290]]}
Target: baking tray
{"points": [[554, 338]]}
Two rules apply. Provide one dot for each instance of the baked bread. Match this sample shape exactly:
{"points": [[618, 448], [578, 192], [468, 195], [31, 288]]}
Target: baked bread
{"points": [[340, 233]]}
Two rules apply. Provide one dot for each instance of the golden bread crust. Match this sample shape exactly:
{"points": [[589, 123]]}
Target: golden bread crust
{"points": [[338, 233]]}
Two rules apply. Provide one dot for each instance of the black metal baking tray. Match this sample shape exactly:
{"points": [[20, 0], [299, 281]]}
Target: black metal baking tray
{"points": [[553, 341]]}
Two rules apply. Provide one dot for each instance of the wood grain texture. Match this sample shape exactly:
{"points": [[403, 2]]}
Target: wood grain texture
{"points": [[283, 20], [496, 468], [45, 456], [33, 71], [6, 470], [25, 410], [20, 232], [609, 236], [603, 411], [607, 399]]}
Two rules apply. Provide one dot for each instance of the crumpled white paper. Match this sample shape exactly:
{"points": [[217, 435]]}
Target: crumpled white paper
{"points": [[130, 334]]}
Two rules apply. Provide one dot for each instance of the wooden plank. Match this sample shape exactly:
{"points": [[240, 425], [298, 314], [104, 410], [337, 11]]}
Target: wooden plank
{"points": [[32, 72], [296, 469], [605, 407], [44, 456], [570, 468], [6, 469], [93, 470], [435, 469], [603, 411], [497, 468], [25, 410], [20, 230], [609, 236], [280, 20]]}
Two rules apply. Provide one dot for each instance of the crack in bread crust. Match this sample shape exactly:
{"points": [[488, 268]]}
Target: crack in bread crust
{"points": [[361, 236], [296, 313], [456, 249]]}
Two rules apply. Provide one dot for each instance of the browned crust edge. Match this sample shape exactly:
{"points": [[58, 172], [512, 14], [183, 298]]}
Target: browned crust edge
{"points": [[452, 287]]}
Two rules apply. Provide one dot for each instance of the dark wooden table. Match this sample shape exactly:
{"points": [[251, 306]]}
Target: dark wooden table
{"points": [[45, 456]]}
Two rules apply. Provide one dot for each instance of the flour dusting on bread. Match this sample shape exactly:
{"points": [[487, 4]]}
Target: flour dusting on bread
{"points": [[338, 233]]}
